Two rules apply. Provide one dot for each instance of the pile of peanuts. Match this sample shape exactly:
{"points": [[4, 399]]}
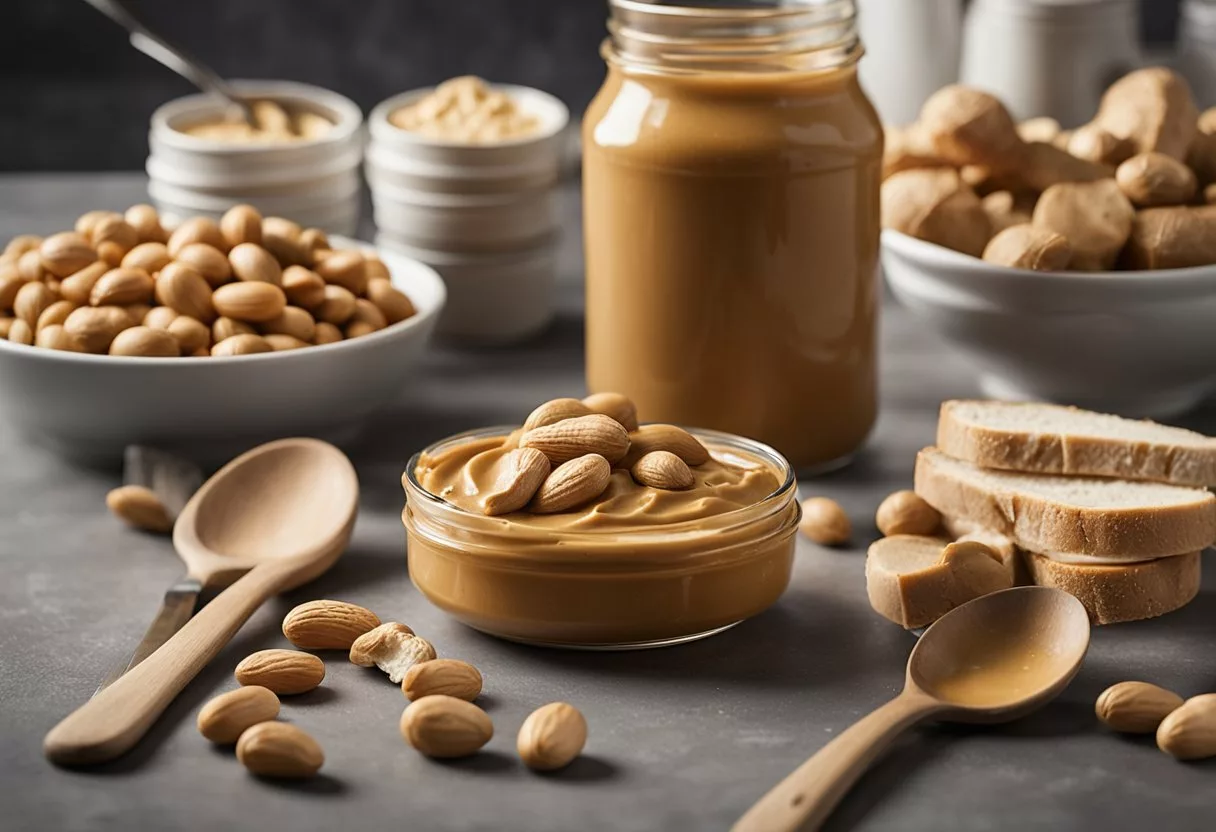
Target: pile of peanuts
{"points": [[122, 284]]}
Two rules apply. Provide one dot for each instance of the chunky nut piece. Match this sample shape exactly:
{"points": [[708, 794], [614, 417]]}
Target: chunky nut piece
{"points": [[20, 244], [242, 344], [54, 314], [1172, 238], [1027, 246], [227, 716], [304, 287], [1135, 707], [337, 307], [191, 335], [824, 521], [680, 442], [140, 508], [282, 228], [146, 222], [1003, 211], [1040, 129], [119, 287], [935, 205], [967, 126], [366, 319], [211, 263], [345, 269], [145, 341], [283, 671], [55, 337], [579, 436], [227, 327], [905, 148], [241, 224], [1093, 144], [113, 237], [314, 239], [31, 301], [327, 625], [278, 749], [327, 333], [905, 512], [393, 648], [442, 677], [253, 263], [572, 484], [281, 343], [520, 475], [65, 253], [615, 406], [78, 286], [196, 230], [393, 304], [149, 257], [1152, 179], [1153, 108], [19, 332], [1095, 218], [663, 469], [291, 321], [445, 727], [552, 737], [184, 290], [253, 301], [96, 327], [287, 250], [1189, 732], [552, 412], [89, 220]]}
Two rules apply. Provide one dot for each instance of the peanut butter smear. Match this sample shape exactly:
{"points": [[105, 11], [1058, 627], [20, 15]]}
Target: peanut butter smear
{"points": [[728, 481], [272, 124]]}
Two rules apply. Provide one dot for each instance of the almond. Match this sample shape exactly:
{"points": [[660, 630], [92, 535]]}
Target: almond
{"points": [[303, 287], [279, 749], [1135, 707], [242, 345], [442, 677], [663, 469], [366, 319], [32, 300], [579, 436], [390, 301], [572, 484], [146, 222], [616, 406], [520, 474], [185, 291], [65, 253], [905, 512], [118, 287], [291, 321], [241, 224], [552, 737], [282, 671], [113, 237], [680, 442], [151, 257], [327, 334], [825, 522], [253, 301], [345, 269], [227, 716], [191, 335], [337, 307], [554, 411], [96, 326], [55, 337], [327, 625], [444, 726], [77, 286], [54, 314], [19, 332], [227, 327], [210, 263], [140, 508], [1189, 732], [196, 230], [146, 342]]}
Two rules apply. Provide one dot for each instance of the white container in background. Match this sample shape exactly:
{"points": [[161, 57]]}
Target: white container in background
{"points": [[1050, 57], [1197, 49], [466, 222], [304, 181], [912, 50]]}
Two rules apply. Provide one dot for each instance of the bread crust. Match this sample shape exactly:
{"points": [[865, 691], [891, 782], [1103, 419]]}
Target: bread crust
{"points": [[1094, 456], [1040, 524], [1127, 592]]}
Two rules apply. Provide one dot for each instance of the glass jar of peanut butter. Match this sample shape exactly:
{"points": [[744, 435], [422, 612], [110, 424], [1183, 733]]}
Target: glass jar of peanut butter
{"points": [[731, 177]]}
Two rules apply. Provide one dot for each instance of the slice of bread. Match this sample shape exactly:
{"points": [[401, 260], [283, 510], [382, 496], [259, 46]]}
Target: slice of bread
{"points": [[914, 580], [1128, 592], [1112, 519], [1051, 439]]}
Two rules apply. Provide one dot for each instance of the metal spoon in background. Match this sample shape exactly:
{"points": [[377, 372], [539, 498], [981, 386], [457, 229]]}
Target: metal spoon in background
{"points": [[160, 50], [991, 660], [287, 510]]}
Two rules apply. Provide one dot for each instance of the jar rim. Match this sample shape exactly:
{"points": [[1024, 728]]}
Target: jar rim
{"points": [[722, 522]]}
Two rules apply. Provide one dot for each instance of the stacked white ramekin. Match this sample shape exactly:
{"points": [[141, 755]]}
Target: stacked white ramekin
{"points": [[483, 215], [313, 181]]}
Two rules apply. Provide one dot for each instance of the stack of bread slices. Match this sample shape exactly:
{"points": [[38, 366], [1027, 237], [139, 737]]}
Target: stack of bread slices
{"points": [[1113, 511]]}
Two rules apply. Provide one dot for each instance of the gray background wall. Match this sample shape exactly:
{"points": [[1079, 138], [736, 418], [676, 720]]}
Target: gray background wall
{"points": [[77, 97]]}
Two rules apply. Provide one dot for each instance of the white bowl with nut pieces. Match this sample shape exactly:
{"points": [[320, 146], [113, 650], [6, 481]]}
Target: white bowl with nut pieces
{"points": [[203, 341]]}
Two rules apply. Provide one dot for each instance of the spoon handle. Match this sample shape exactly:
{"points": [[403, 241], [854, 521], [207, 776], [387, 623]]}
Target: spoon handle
{"points": [[175, 610], [804, 799], [113, 721]]}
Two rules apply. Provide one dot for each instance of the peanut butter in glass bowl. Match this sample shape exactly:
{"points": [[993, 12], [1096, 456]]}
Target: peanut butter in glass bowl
{"points": [[636, 567]]}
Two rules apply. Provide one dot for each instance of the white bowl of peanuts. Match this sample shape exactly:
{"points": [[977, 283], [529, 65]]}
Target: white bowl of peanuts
{"points": [[209, 339]]}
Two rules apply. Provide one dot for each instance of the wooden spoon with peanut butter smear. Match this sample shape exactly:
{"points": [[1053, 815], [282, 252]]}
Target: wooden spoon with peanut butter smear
{"points": [[991, 660]]}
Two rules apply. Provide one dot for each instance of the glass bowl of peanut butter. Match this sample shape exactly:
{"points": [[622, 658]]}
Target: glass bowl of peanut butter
{"points": [[635, 567]]}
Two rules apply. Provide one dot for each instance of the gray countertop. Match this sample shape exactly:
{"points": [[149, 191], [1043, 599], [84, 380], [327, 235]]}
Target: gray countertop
{"points": [[680, 738]]}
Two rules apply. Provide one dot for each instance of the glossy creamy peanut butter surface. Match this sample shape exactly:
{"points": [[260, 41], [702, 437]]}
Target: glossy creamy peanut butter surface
{"points": [[732, 229]]}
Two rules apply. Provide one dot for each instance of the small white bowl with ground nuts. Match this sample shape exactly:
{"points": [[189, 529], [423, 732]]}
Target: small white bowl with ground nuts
{"points": [[206, 340]]}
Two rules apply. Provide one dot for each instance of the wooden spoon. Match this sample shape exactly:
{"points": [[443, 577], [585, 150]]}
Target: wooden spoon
{"points": [[284, 512], [993, 659]]}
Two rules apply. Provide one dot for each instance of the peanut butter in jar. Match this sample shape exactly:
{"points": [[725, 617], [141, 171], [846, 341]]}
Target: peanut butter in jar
{"points": [[731, 177]]}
